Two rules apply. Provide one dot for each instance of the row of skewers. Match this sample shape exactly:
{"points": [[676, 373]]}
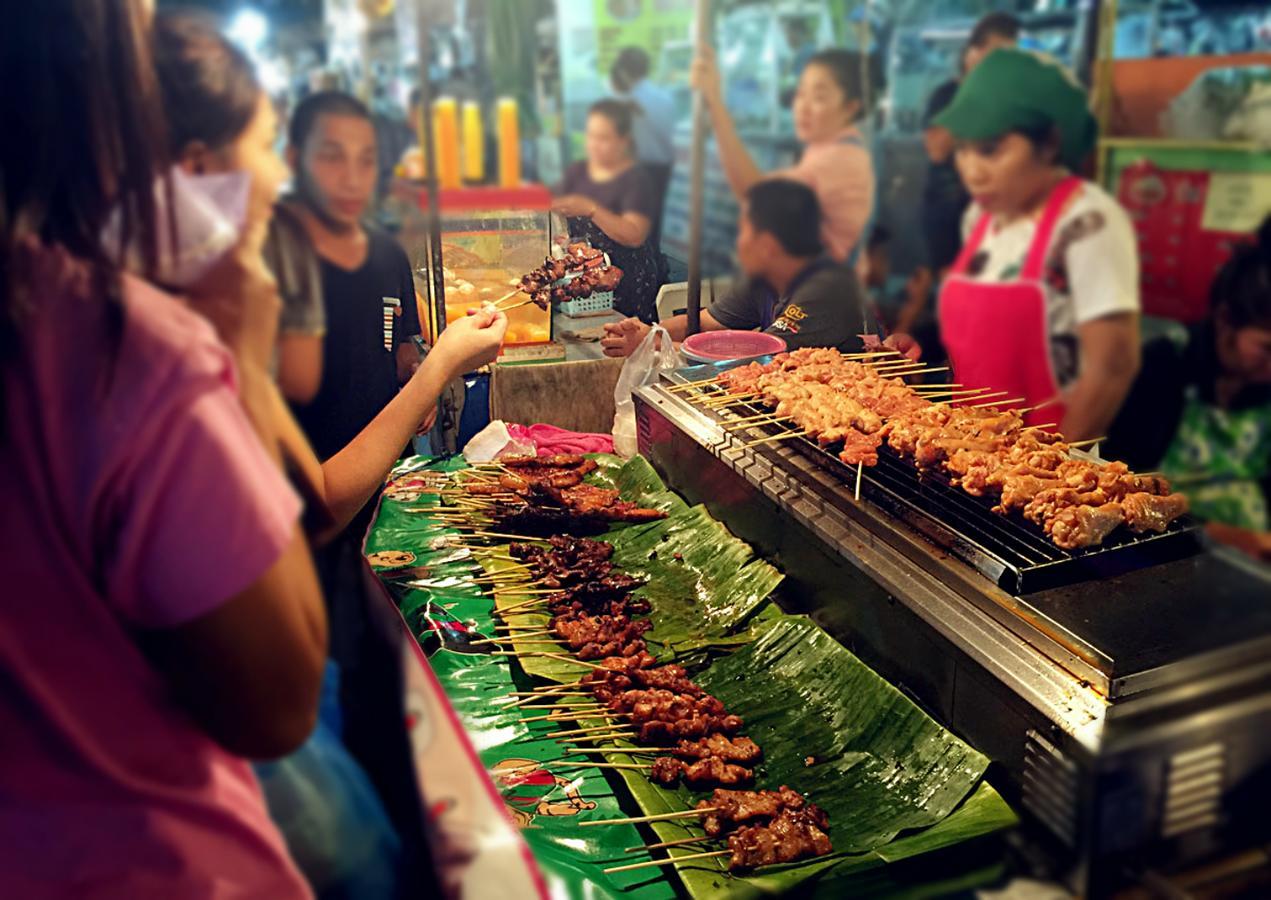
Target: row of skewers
{"points": [[577, 602], [984, 446]]}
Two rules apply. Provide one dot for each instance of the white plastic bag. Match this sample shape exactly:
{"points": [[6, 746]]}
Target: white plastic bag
{"points": [[641, 368]]}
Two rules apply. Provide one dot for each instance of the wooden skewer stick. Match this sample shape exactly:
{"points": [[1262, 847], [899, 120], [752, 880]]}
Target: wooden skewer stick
{"points": [[570, 659], [517, 642], [538, 695], [559, 705], [1045, 403], [670, 860], [1087, 443], [688, 385], [768, 420], [997, 402], [644, 751], [573, 732], [775, 437], [860, 466], [871, 354], [660, 817], [680, 843], [508, 637], [586, 763], [508, 296], [616, 735], [520, 538], [566, 716]]}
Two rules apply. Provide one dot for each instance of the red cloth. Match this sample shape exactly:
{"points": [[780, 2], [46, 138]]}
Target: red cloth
{"points": [[550, 440]]}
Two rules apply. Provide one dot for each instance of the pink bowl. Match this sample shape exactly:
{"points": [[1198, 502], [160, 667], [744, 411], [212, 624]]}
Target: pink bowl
{"points": [[717, 346]]}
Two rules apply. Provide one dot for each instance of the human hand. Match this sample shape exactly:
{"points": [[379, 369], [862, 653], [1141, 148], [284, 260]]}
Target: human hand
{"points": [[429, 421], [704, 75], [622, 338], [905, 345], [1256, 544], [470, 342], [575, 206], [239, 296]]}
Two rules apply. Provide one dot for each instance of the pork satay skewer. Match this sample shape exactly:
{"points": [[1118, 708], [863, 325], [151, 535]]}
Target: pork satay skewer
{"points": [[776, 437]]}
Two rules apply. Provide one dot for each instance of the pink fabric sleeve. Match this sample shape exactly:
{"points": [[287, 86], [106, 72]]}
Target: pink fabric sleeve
{"points": [[843, 177], [204, 511]]}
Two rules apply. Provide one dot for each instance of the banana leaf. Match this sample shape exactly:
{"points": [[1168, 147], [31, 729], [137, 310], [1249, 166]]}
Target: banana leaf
{"points": [[707, 589]]}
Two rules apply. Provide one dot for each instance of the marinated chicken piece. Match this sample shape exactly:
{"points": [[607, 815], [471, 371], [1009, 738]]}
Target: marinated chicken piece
{"points": [[1075, 527], [1150, 512]]}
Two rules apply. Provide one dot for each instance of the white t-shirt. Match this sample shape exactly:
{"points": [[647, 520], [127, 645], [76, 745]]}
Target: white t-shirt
{"points": [[1091, 269]]}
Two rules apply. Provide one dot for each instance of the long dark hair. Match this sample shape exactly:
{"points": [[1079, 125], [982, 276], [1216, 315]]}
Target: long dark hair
{"points": [[210, 90], [1241, 293], [85, 136]]}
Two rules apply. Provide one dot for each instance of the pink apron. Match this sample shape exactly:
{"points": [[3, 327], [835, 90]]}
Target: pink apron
{"points": [[998, 335]]}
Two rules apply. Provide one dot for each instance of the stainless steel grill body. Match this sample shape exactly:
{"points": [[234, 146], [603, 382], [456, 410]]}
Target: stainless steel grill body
{"points": [[1128, 714]]}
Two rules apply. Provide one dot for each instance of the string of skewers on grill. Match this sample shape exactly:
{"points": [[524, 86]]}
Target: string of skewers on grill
{"points": [[547, 285], [987, 451]]}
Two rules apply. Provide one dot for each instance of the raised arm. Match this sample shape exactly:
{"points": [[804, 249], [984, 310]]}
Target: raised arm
{"points": [[739, 168]]}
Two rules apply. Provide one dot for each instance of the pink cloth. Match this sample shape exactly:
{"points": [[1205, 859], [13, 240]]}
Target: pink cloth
{"points": [[549, 439], [842, 174], [136, 496]]}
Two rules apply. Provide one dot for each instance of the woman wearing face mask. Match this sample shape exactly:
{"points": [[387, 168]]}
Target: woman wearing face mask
{"points": [[1043, 301], [162, 620], [222, 121], [610, 202], [835, 163], [1200, 411]]}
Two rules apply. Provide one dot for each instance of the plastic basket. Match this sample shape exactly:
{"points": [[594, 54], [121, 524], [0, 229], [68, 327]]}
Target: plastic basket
{"points": [[599, 302]]}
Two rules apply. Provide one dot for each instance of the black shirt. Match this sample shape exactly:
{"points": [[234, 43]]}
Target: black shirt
{"points": [[823, 307], [370, 311], [632, 191]]}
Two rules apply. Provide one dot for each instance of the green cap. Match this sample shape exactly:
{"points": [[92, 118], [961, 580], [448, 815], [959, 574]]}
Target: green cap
{"points": [[1014, 89]]}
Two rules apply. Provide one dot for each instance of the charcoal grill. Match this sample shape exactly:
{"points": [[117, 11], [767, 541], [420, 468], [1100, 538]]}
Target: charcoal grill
{"points": [[1121, 690]]}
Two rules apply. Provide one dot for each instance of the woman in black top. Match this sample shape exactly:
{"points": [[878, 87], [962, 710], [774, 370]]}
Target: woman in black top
{"points": [[609, 201]]}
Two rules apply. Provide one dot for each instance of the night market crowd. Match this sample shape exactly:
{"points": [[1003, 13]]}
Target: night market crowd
{"points": [[190, 449]]}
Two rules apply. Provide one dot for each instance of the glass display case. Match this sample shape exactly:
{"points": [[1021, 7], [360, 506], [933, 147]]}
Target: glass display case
{"points": [[490, 237]]}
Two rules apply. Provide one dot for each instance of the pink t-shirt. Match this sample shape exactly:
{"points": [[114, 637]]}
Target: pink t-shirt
{"points": [[842, 174], [136, 496]]}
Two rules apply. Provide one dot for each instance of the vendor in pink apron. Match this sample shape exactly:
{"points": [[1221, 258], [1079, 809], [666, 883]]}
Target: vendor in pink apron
{"points": [[1043, 301]]}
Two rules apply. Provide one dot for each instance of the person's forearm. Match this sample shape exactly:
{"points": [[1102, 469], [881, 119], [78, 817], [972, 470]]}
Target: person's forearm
{"points": [[739, 168], [622, 230], [1092, 403], [259, 398], [354, 473], [676, 327]]}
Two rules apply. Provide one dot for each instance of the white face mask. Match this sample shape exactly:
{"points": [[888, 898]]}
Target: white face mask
{"points": [[210, 213]]}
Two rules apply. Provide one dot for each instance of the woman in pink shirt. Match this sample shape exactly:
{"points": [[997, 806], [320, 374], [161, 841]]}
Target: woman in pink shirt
{"points": [[160, 620], [835, 163]]}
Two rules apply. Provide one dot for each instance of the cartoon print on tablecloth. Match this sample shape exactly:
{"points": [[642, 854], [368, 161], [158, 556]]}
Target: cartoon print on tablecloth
{"points": [[437, 628], [401, 494], [523, 776], [390, 559]]}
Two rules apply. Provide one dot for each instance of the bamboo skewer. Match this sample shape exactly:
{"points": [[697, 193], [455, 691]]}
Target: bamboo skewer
{"points": [[541, 694], [860, 467], [644, 751], [617, 735], [566, 716], [573, 732], [775, 437], [680, 843], [570, 659], [660, 817], [670, 860], [997, 402], [1086, 443], [584, 763]]}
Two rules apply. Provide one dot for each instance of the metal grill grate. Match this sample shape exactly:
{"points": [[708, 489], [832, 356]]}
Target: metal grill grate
{"points": [[1009, 550]]}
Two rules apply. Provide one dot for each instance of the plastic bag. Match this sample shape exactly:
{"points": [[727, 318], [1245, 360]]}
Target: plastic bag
{"points": [[642, 367]]}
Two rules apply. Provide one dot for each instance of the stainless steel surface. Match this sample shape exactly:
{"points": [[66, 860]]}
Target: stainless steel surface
{"points": [[1113, 735]]}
